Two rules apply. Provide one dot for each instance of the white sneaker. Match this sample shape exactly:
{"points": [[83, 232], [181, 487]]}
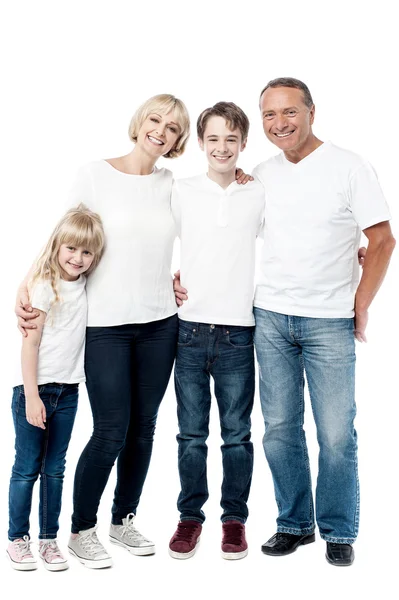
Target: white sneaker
{"points": [[87, 548], [52, 556], [20, 555], [127, 536]]}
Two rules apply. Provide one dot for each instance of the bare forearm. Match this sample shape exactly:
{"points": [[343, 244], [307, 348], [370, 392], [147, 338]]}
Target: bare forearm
{"points": [[374, 270], [29, 360]]}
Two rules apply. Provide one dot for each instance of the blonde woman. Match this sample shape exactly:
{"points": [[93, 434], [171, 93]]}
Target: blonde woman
{"points": [[44, 411], [132, 324]]}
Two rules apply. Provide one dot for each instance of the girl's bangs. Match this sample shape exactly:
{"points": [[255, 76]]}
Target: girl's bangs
{"points": [[82, 236]]}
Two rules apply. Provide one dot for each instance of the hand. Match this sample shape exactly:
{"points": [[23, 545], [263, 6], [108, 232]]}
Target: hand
{"points": [[180, 292], [361, 319], [243, 178], [361, 255], [36, 412], [24, 311]]}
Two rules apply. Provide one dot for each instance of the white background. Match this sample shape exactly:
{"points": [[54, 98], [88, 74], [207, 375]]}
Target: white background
{"points": [[72, 75]]}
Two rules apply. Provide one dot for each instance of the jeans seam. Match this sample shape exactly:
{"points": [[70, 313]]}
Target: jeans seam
{"points": [[356, 518], [43, 476], [304, 447]]}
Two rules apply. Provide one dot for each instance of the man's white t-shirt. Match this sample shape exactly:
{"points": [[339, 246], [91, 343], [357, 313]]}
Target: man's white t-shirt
{"points": [[133, 281], [61, 351], [314, 213], [217, 228]]}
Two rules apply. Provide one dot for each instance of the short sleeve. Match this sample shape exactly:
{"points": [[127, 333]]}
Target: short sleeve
{"points": [[42, 296], [257, 174], [366, 199], [81, 190], [176, 207]]}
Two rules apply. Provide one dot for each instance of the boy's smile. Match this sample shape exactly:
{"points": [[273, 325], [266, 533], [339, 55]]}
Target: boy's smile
{"points": [[222, 147]]}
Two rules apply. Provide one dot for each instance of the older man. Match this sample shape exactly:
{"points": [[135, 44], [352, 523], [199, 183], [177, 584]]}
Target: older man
{"points": [[308, 310]]}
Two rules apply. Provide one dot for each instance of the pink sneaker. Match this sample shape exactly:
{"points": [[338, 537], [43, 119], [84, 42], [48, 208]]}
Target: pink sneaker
{"points": [[234, 544], [52, 556], [20, 555], [185, 539]]}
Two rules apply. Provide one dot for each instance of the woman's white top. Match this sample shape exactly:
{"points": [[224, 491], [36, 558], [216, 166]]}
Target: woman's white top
{"points": [[61, 351], [133, 282]]}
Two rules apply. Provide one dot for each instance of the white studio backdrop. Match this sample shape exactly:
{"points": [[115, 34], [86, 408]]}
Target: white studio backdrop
{"points": [[72, 75]]}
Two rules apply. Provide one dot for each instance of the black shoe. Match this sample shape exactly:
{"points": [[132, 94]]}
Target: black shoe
{"points": [[340, 555], [281, 544]]}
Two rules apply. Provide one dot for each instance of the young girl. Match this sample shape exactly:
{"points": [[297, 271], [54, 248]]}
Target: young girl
{"points": [[52, 361]]}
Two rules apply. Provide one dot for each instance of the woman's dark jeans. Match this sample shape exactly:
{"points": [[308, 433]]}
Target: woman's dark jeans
{"points": [[127, 371]]}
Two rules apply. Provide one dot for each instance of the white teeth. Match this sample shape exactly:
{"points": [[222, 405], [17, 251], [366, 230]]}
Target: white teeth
{"points": [[155, 140], [284, 134], [222, 157]]}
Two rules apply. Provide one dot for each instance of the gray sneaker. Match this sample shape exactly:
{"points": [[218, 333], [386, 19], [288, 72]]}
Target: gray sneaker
{"points": [[88, 550], [127, 536]]}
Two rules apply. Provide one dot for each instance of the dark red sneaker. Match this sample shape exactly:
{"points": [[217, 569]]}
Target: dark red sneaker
{"points": [[185, 539], [234, 544]]}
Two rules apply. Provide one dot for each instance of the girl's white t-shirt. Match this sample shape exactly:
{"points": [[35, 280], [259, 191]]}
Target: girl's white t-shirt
{"points": [[133, 282], [61, 351], [314, 214]]}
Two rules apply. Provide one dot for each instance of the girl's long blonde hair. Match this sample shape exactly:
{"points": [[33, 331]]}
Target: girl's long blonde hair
{"points": [[78, 227]]}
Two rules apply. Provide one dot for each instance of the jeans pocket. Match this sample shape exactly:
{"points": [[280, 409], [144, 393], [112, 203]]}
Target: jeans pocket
{"points": [[240, 337], [185, 337]]}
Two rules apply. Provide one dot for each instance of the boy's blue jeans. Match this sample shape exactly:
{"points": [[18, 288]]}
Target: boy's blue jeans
{"points": [[40, 452], [287, 348], [225, 353]]}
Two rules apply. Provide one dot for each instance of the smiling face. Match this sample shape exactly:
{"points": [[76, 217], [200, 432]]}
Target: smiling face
{"points": [[221, 145], [158, 134], [287, 121], [74, 261]]}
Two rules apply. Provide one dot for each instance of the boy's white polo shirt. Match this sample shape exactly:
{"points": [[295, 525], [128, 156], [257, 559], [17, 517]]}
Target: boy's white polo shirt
{"points": [[217, 228], [315, 211]]}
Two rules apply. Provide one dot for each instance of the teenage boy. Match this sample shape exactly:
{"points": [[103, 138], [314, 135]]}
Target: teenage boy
{"points": [[308, 310], [218, 221]]}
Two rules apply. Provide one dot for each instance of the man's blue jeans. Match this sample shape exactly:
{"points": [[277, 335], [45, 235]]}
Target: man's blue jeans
{"points": [[40, 452], [287, 348], [225, 353]]}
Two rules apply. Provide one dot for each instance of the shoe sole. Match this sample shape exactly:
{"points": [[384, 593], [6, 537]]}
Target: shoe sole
{"points": [[92, 564], [184, 555], [234, 555], [308, 540], [22, 566], [55, 566], [136, 550]]}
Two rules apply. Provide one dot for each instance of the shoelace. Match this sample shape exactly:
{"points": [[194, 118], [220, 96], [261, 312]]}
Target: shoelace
{"points": [[90, 543], [185, 531], [232, 534], [50, 551], [22, 548], [130, 531]]}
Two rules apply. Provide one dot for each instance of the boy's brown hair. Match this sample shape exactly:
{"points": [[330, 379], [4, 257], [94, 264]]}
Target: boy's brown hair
{"points": [[233, 115]]}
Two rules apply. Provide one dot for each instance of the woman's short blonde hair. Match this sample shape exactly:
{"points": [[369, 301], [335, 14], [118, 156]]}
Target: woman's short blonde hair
{"points": [[163, 103]]}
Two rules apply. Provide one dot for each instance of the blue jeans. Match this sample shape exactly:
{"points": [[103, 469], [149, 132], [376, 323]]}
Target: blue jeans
{"points": [[287, 348], [40, 452], [128, 368], [225, 353]]}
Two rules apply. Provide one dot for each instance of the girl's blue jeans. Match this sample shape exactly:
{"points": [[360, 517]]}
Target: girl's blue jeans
{"points": [[40, 452]]}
